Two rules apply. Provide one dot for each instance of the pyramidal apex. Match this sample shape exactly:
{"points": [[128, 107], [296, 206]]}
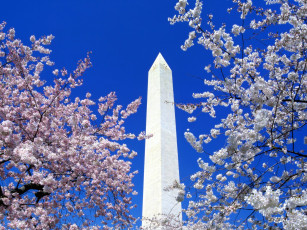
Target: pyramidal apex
{"points": [[159, 61]]}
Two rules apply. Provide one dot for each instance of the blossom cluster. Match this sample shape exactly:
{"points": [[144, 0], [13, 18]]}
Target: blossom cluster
{"points": [[62, 165], [261, 169]]}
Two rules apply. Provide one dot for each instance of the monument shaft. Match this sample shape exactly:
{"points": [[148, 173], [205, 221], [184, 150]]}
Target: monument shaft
{"points": [[161, 154]]}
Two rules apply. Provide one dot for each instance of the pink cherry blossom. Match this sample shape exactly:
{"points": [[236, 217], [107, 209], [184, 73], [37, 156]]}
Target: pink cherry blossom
{"points": [[61, 165]]}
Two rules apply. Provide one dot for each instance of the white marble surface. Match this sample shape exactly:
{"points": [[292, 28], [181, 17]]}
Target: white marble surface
{"points": [[161, 155]]}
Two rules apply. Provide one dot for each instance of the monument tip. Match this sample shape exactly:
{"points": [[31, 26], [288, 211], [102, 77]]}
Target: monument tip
{"points": [[159, 60]]}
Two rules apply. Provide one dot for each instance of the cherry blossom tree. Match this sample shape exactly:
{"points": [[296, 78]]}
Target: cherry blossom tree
{"points": [[62, 165], [257, 179]]}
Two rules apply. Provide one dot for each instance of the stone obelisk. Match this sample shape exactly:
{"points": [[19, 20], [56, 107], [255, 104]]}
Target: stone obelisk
{"points": [[161, 155]]}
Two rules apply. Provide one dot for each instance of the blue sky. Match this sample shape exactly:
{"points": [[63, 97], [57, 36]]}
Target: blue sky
{"points": [[125, 37]]}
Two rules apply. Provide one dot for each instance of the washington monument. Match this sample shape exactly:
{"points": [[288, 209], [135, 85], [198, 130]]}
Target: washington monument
{"points": [[161, 155]]}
